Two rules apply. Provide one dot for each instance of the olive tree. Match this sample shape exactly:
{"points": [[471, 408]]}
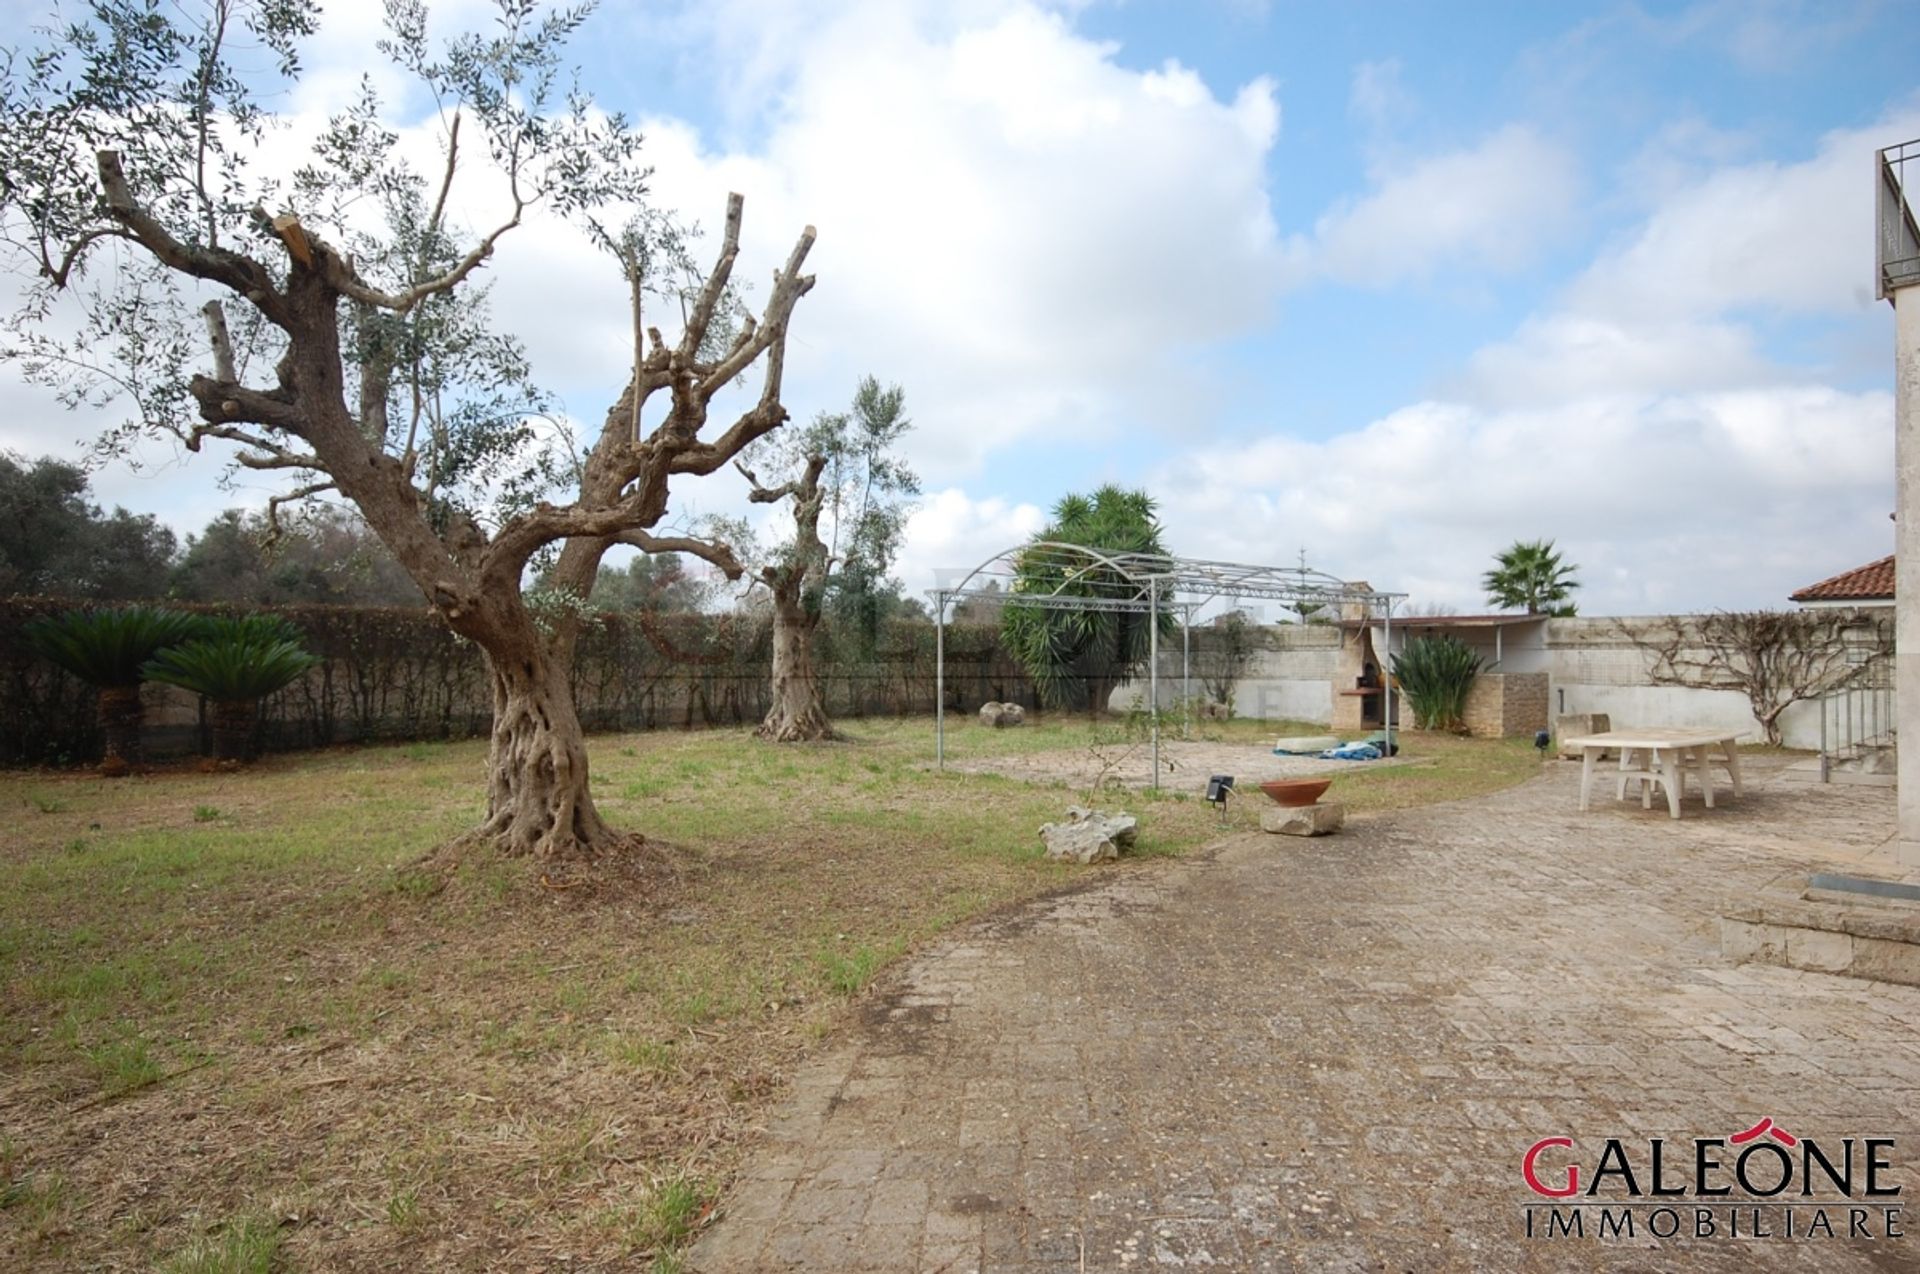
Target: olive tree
{"points": [[848, 496], [328, 325]]}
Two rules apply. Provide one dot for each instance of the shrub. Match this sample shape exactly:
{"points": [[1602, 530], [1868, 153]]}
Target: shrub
{"points": [[1436, 673], [236, 665], [110, 650]]}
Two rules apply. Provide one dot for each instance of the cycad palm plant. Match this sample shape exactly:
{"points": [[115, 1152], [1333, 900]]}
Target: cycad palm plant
{"points": [[1436, 673], [235, 664], [109, 650]]}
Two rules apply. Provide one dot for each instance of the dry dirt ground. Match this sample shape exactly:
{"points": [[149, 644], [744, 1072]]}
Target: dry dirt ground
{"points": [[1333, 1054], [1184, 766]]}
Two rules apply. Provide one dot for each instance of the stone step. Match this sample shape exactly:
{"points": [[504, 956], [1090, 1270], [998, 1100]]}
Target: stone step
{"points": [[1873, 938]]}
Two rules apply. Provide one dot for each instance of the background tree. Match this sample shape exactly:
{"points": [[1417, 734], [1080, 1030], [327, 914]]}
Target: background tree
{"points": [[983, 607], [55, 542], [137, 128], [1223, 652], [1077, 657], [1775, 658], [326, 556], [1530, 576], [1309, 612], [841, 471], [659, 583]]}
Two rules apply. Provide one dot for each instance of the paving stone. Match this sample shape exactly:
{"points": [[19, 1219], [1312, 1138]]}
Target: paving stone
{"points": [[1215, 1065]]}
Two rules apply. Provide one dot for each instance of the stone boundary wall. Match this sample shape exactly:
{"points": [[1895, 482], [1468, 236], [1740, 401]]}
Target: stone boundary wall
{"points": [[1593, 665], [1290, 678], [394, 674], [1596, 667]]}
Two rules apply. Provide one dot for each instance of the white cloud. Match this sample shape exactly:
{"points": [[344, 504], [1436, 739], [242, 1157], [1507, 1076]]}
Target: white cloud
{"points": [[1565, 357], [951, 533], [1683, 502], [1023, 233], [1793, 237], [1492, 206], [1378, 98]]}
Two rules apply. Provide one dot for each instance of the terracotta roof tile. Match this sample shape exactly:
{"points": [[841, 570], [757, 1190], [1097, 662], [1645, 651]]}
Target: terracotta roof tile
{"points": [[1872, 582]]}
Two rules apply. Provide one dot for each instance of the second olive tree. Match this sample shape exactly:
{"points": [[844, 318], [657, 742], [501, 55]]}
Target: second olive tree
{"points": [[849, 495]]}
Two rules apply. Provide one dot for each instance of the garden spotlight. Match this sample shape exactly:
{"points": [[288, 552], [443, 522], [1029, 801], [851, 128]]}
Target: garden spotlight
{"points": [[1219, 788]]}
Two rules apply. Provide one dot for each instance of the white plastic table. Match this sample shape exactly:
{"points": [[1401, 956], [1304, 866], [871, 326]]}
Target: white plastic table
{"points": [[1670, 754]]}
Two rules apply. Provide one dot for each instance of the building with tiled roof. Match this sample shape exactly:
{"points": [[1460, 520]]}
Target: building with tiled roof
{"points": [[1869, 585]]}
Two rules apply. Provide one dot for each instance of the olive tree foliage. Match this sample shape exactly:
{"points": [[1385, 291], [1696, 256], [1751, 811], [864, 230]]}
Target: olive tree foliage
{"points": [[849, 496], [326, 322]]}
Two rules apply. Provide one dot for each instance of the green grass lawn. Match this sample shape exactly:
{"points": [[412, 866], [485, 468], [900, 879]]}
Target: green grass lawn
{"points": [[252, 1020]]}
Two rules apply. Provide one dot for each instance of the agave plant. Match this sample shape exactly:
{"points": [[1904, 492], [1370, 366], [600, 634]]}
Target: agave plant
{"points": [[235, 664], [1436, 673], [109, 650]]}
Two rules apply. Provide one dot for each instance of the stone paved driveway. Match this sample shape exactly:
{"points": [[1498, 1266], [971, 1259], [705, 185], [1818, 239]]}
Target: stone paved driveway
{"points": [[1331, 1055]]}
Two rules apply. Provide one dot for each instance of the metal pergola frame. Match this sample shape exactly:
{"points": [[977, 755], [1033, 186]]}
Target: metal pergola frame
{"points": [[1141, 583]]}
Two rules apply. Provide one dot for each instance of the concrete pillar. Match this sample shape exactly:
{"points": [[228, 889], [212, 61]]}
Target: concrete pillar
{"points": [[1906, 661]]}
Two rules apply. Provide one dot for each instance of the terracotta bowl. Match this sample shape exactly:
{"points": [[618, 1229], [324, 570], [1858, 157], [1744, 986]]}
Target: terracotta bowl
{"points": [[1295, 791]]}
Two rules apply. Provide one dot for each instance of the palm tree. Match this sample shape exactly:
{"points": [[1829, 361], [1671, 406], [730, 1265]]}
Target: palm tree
{"points": [[109, 650], [1531, 577], [1070, 652], [235, 664]]}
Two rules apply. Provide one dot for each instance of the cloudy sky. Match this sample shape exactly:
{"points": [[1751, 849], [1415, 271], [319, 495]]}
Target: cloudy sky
{"points": [[1393, 284]]}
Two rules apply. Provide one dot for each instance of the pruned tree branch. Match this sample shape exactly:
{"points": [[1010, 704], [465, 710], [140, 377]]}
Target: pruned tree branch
{"points": [[234, 270], [719, 555], [222, 342], [342, 277]]}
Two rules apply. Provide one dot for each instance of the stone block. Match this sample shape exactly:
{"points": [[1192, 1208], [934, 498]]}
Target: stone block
{"points": [[1303, 820], [1750, 940], [1089, 836], [1573, 725], [1885, 960], [1822, 950]]}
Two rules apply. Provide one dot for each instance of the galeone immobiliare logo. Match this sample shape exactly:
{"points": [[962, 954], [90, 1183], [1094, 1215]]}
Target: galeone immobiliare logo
{"points": [[1761, 1182]]}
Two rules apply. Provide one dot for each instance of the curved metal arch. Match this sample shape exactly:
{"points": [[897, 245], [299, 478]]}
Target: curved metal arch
{"points": [[1100, 558], [1178, 583], [1149, 582]]}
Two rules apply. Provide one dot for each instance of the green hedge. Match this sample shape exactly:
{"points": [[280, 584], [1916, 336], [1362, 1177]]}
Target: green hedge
{"points": [[391, 674]]}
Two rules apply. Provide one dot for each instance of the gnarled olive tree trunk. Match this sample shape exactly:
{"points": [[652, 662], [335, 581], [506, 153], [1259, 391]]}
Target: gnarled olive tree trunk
{"points": [[538, 799], [798, 713]]}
